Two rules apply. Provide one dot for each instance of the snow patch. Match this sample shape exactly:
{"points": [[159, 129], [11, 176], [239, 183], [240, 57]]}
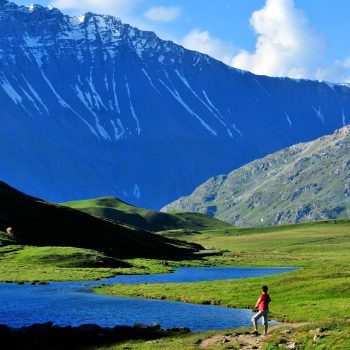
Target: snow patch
{"points": [[115, 92], [138, 129], [262, 87], [343, 118], [36, 95], [10, 91], [66, 105], [234, 125], [176, 95], [31, 100], [150, 80], [119, 130], [136, 192], [98, 100], [161, 59], [319, 113], [288, 119], [186, 83]]}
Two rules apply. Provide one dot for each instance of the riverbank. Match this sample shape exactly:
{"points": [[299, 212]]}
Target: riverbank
{"points": [[50, 336], [299, 336], [317, 292], [30, 264]]}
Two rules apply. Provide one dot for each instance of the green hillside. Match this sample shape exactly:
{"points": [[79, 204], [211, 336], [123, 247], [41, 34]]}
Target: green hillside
{"points": [[115, 209], [303, 183], [39, 223]]}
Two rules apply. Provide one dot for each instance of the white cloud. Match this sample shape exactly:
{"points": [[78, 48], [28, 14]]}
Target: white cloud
{"points": [[286, 44], [162, 14], [202, 41], [118, 8], [339, 71]]}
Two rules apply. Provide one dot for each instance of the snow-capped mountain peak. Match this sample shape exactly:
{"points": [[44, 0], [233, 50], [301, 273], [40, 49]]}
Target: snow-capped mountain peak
{"points": [[92, 106]]}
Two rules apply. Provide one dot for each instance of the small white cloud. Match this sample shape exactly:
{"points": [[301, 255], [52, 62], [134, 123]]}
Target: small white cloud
{"points": [[202, 41], [286, 44], [162, 14], [339, 71]]}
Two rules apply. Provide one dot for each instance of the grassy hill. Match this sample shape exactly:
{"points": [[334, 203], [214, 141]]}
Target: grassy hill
{"points": [[303, 183], [115, 209], [40, 223]]}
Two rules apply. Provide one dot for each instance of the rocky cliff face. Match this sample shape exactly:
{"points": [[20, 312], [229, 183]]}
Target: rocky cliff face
{"points": [[92, 107], [306, 182]]}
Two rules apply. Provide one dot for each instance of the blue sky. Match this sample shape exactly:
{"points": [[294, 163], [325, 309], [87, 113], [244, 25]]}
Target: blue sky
{"points": [[296, 38]]}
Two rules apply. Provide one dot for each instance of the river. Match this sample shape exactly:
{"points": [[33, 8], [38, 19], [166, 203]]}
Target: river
{"points": [[74, 303]]}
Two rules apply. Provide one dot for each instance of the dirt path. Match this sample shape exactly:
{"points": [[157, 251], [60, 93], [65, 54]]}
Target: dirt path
{"points": [[246, 340]]}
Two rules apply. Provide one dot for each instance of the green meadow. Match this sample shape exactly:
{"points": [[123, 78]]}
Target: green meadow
{"points": [[315, 295], [317, 292], [21, 264]]}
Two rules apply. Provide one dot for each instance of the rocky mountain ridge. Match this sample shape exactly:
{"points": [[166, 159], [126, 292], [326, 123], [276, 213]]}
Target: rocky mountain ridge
{"points": [[305, 182]]}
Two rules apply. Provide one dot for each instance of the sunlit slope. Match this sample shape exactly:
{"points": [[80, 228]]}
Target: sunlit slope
{"points": [[115, 209]]}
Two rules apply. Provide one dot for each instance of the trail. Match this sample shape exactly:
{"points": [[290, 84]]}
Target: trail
{"points": [[247, 340]]}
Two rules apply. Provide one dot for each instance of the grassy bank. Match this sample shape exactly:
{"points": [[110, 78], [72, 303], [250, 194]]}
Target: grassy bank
{"points": [[335, 336], [319, 291], [29, 264]]}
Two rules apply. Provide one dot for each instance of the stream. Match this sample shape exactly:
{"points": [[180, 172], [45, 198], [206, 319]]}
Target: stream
{"points": [[74, 303]]}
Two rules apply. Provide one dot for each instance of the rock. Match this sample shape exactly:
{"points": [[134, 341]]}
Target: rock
{"points": [[89, 328], [282, 341], [140, 326], [225, 340], [153, 326], [318, 337], [156, 341], [178, 330], [39, 327], [291, 346], [318, 330]]}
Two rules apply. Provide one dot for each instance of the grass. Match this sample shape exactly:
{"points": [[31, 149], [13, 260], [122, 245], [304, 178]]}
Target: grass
{"points": [[319, 291], [335, 337], [39, 223], [32, 264], [115, 209], [187, 341]]}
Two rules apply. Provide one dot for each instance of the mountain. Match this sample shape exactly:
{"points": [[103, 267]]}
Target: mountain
{"points": [[150, 220], [40, 223], [93, 107], [306, 182]]}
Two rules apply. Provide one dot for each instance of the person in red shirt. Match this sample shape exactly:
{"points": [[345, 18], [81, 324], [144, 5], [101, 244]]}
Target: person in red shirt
{"points": [[262, 305]]}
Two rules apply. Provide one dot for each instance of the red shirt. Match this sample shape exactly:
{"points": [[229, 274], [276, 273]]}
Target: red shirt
{"points": [[263, 303]]}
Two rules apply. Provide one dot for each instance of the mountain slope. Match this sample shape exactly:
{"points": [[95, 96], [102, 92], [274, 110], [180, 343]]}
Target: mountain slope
{"points": [[306, 182], [93, 107], [115, 209], [36, 222]]}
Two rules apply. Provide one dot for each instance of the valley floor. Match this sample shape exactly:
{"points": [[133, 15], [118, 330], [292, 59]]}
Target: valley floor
{"points": [[318, 292], [315, 297]]}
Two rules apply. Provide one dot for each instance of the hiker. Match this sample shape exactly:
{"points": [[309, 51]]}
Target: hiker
{"points": [[262, 305]]}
